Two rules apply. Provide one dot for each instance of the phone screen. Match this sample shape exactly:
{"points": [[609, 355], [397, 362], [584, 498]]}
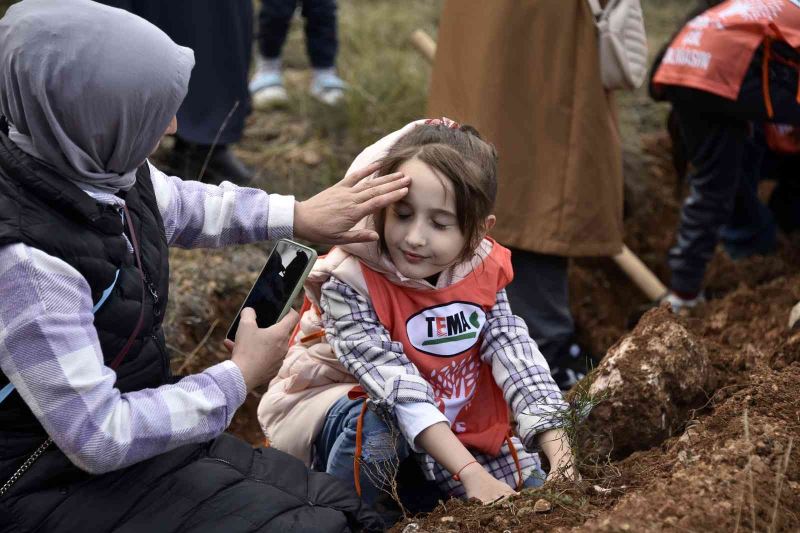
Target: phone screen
{"points": [[276, 285]]}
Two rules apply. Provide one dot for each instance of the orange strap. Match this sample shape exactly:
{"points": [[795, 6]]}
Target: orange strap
{"points": [[306, 306], [357, 456], [765, 77], [516, 461], [313, 336]]}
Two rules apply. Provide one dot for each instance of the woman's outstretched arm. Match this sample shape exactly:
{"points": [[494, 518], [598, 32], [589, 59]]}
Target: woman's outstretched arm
{"points": [[50, 352], [198, 215]]}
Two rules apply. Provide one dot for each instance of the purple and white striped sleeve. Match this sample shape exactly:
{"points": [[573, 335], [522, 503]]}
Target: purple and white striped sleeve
{"points": [[50, 352], [200, 215]]}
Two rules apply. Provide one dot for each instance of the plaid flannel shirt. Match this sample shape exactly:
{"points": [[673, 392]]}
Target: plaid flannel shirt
{"points": [[364, 347], [50, 352]]}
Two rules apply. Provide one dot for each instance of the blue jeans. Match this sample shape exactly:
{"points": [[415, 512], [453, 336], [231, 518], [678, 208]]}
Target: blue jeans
{"points": [[384, 450]]}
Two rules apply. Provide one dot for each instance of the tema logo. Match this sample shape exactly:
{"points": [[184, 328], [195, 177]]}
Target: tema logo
{"points": [[446, 330]]}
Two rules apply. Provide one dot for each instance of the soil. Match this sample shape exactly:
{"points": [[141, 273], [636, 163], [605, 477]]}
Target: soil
{"points": [[702, 434]]}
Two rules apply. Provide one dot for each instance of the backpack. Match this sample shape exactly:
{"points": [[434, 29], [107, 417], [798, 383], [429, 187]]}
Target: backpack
{"points": [[622, 43]]}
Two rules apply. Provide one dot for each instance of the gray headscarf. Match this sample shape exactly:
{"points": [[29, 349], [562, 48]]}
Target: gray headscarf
{"points": [[88, 89]]}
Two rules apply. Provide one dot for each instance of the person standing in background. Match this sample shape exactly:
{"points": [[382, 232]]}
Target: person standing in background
{"points": [[526, 74], [729, 67], [212, 116], [321, 43]]}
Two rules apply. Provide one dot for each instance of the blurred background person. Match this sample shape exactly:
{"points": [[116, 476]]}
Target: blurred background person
{"points": [[214, 111], [730, 70], [274, 19], [526, 74]]}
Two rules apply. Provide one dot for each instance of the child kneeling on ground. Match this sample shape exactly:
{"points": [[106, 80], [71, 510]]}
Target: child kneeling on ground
{"points": [[420, 320]]}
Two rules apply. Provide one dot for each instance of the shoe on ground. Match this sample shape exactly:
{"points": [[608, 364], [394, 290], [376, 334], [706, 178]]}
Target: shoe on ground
{"points": [[327, 87], [267, 90], [187, 161], [679, 304]]}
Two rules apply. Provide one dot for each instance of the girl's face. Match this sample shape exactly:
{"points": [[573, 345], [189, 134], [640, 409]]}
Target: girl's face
{"points": [[421, 231]]}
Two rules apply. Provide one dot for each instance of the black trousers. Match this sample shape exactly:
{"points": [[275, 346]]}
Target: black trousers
{"points": [[221, 34], [716, 132], [320, 29], [539, 295]]}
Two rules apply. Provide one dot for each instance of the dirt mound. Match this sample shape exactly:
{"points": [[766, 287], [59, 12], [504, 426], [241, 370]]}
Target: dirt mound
{"points": [[734, 462]]}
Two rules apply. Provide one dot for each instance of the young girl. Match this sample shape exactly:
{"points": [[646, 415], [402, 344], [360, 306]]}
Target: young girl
{"points": [[421, 320]]}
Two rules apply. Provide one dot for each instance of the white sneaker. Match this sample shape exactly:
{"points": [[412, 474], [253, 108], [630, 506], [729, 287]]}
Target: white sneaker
{"points": [[678, 304], [327, 87], [266, 87]]}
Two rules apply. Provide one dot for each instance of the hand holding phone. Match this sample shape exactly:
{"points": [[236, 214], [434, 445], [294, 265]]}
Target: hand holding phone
{"points": [[259, 352], [278, 284]]}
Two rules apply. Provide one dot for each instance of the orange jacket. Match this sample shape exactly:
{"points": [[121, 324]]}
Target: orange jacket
{"points": [[713, 51]]}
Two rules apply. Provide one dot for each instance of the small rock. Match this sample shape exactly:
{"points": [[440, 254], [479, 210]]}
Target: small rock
{"points": [[413, 527], [602, 490], [525, 511], [447, 519], [794, 316], [542, 506], [311, 158], [500, 522]]}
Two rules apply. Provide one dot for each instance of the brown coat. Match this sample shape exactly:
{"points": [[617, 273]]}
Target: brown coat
{"points": [[525, 73]]}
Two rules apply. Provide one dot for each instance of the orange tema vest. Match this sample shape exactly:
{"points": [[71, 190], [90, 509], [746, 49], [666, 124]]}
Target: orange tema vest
{"points": [[442, 331], [713, 50]]}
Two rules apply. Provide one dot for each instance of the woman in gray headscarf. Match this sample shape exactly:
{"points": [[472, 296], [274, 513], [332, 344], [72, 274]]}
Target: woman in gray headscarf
{"points": [[95, 434]]}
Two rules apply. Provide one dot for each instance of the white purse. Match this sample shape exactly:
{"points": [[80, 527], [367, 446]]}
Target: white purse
{"points": [[622, 43]]}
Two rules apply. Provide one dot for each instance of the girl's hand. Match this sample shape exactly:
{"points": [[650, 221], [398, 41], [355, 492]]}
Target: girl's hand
{"points": [[482, 485], [555, 445], [565, 471]]}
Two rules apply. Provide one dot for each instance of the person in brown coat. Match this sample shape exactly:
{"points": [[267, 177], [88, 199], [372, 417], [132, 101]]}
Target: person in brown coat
{"points": [[526, 74]]}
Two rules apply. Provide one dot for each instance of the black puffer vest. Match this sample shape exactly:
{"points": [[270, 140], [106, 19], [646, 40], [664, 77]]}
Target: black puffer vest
{"points": [[41, 209]]}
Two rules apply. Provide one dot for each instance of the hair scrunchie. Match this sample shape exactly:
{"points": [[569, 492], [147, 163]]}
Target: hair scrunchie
{"points": [[444, 121]]}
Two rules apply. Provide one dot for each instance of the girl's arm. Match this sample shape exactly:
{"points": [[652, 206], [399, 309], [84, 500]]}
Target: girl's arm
{"points": [[392, 381], [441, 443], [50, 352], [523, 374], [199, 215], [367, 351]]}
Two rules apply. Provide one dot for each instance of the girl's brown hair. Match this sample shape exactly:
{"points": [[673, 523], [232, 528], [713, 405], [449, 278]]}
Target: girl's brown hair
{"points": [[464, 158]]}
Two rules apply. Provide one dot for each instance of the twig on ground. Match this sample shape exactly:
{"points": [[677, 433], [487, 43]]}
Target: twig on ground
{"points": [[779, 478], [216, 140], [189, 358]]}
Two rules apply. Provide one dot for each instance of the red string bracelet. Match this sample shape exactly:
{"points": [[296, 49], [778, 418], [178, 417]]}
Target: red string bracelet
{"points": [[456, 476]]}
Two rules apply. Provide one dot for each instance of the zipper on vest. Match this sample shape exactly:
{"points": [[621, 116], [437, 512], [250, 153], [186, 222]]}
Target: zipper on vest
{"points": [[150, 286], [153, 293]]}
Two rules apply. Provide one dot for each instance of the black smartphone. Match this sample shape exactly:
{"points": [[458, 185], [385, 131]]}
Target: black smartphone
{"points": [[279, 283]]}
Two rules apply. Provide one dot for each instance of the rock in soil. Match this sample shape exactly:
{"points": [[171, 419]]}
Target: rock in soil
{"points": [[794, 317], [646, 386]]}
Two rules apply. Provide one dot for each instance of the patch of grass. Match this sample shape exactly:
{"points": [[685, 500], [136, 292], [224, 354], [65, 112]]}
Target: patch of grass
{"points": [[639, 114], [388, 79]]}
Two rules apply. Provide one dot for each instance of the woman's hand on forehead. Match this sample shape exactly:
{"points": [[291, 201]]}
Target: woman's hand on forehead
{"points": [[328, 217]]}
